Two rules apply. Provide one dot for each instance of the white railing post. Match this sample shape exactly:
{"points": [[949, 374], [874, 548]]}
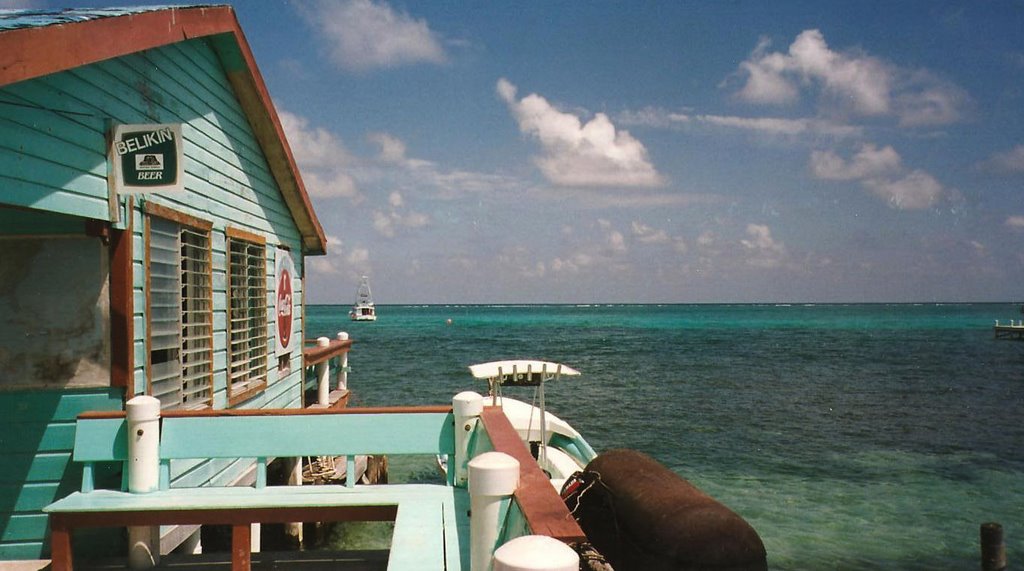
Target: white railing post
{"points": [[343, 371], [535, 553], [493, 477], [323, 376], [143, 416], [466, 407]]}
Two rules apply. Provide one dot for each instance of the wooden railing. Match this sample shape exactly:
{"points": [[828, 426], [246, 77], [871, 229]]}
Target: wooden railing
{"points": [[544, 510], [319, 356]]}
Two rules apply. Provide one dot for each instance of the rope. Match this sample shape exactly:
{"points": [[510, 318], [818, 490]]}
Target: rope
{"points": [[590, 558]]}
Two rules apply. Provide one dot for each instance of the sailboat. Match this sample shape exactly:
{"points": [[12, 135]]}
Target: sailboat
{"points": [[363, 309]]}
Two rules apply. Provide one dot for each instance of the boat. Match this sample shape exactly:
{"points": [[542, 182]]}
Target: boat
{"points": [[636, 513], [363, 309], [564, 451]]}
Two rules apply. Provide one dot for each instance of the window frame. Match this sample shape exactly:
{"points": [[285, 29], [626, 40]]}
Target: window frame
{"points": [[257, 320], [196, 226]]}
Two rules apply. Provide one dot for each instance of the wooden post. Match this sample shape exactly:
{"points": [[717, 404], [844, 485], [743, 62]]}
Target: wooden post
{"points": [[60, 545], [241, 544], [993, 548]]}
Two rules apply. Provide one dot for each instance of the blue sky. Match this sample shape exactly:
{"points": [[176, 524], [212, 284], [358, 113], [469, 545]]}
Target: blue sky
{"points": [[655, 152]]}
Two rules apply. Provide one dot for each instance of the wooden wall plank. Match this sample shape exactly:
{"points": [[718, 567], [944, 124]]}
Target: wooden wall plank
{"points": [[25, 527], [28, 467], [13, 551], [65, 406]]}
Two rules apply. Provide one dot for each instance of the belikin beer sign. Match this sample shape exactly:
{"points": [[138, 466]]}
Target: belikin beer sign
{"points": [[148, 158]]}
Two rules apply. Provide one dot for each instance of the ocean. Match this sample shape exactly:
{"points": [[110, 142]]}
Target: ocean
{"points": [[852, 437]]}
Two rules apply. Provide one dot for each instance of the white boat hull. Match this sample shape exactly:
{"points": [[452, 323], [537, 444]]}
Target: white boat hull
{"points": [[363, 317]]}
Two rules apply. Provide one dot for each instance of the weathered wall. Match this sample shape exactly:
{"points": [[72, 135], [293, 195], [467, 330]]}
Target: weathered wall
{"points": [[53, 335]]}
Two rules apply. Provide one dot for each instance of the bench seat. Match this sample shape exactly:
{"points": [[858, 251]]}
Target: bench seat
{"points": [[431, 525]]}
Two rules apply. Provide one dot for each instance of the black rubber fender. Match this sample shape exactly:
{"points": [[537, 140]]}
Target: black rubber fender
{"points": [[642, 516]]}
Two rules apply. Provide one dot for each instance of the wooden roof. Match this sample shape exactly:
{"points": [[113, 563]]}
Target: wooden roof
{"points": [[36, 43]]}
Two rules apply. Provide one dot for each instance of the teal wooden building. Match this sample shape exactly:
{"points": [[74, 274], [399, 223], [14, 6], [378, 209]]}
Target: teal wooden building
{"points": [[153, 230]]}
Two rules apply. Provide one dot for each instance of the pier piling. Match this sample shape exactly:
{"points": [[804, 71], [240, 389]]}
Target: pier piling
{"points": [[993, 548]]}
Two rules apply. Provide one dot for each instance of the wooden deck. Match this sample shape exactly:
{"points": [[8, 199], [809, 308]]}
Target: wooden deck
{"points": [[1014, 330], [431, 522]]}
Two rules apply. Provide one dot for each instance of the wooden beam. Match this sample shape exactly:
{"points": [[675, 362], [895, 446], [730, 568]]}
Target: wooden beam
{"points": [[122, 309], [313, 355]]}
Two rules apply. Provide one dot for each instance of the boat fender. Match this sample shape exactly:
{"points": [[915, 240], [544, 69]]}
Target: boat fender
{"points": [[642, 516]]}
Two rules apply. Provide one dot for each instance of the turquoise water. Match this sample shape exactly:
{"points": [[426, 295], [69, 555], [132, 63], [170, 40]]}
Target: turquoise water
{"points": [[850, 436]]}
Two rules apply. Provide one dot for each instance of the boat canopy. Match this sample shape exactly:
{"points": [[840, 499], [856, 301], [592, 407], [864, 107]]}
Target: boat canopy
{"points": [[521, 373]]}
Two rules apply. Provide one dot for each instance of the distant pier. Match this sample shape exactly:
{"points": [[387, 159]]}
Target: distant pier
{"points": [[1012, 330]]}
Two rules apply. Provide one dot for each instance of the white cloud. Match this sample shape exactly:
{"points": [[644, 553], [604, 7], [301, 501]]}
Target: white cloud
{"points": [[330, 185], [358, 256], [339, 261], [392, 149], [925, 99], [853, 81], [577, 154], [617, 242], [870, 161], [763, 251], [779, 126], [1011, 161], [383, 224], [392, 166], [1015, 223], [362, 35], [517, 258], [765, 82], [915, 191], [312, 146], [880, 171], [648, 235], [387, 223], [572, 264], [321, 157]]}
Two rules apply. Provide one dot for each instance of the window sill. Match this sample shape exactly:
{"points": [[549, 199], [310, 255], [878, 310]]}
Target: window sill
{"points": [[245, 393]]}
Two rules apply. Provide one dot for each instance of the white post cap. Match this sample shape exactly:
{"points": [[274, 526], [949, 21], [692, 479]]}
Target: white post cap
{"points": [[342, 336], [467, 404], [322, 341], [493, 474], [143, 407], [535, 553]]}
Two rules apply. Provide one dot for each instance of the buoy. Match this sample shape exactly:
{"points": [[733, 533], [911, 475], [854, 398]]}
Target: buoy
{"points": [[448, 321], [642, 516]]}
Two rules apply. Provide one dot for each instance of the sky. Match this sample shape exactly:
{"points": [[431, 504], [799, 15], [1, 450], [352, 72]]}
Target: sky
{"points": [[654, 152]]}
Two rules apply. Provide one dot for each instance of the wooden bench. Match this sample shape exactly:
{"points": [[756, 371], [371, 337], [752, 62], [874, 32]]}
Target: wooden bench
{"points": [[428, 528]]}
